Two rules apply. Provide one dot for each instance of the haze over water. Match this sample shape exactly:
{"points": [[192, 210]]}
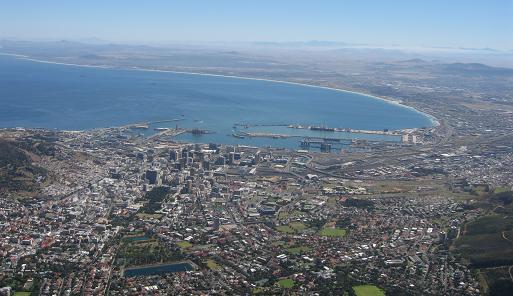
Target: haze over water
{"points": [[36, 94]]}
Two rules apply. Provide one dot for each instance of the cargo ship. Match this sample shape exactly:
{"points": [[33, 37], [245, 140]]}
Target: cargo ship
{"points": [[322, 128]]}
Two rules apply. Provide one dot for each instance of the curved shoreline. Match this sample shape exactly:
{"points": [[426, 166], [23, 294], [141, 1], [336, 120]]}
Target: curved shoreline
{"points": [[433, 119]]}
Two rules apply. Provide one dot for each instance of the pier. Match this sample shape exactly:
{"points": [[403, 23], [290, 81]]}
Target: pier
{"points": [[169, 132], [324, 144], [385, 132]]}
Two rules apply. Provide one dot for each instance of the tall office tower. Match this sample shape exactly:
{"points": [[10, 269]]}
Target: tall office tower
{"points": [[231, 158], [153, 177], [173, 155]]}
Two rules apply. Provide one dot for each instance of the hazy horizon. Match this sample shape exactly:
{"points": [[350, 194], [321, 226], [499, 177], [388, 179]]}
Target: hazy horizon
{"points": [[411, 24]]}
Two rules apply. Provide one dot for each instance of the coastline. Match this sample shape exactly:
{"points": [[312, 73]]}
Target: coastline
{"points": [[432, 118]]}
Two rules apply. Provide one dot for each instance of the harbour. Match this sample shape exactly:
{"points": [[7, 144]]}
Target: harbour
{"points": [[195, 108]]}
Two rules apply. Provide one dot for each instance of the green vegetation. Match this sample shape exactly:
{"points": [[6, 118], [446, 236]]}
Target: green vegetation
{"points": [[495, 281], [298, 250], [155, 197], [288, 214], [501, 190], [257, 291], [278, 243], [286, 283], [21, 293], [285, 229], [503, 197], [213, 265], [485, 250], [488, 240], [293, 227], [359, 203], [490, 224], [368, 290], [141, 250], [184, 244], [487, 243], [298, 226], [332, 201], [333, 232], [17, 172]]}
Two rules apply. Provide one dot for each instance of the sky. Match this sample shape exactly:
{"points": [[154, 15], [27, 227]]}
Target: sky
{"points": [[416, 23]]}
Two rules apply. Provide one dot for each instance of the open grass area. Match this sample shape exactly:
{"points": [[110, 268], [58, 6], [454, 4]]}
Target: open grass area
{"points": [[213, 265], [293, 227], [332, 201], [286, 283], [258, 291], [289, 214], [298, 226], [501, 189], [368, 290], [285, 229], [332, 232], [21, 293], [298, 250], [184, 244], [278, 243]]}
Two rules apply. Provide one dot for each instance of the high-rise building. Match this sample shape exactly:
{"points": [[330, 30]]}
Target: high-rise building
{"points": [[221, 160], [231, 158], [153, 177], [206, 165], [173, 155]]}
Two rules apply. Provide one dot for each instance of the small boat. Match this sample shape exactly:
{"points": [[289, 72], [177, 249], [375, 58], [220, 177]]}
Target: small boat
{"points": [[238, 136]]}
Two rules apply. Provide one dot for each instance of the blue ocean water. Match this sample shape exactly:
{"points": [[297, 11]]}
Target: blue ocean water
{"points": [[34, 94]]}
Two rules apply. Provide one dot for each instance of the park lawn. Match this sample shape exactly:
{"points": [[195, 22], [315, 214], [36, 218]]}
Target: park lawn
{"points": [[293, 227], [368, 290], [332, 201], [21, 293], [298, 250], [286, 283], [278, 243], [184, 244], [501, 189], [298, 226], [333, 232], [283, 215], [285, 229], [213, 265], [258, 291]]}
